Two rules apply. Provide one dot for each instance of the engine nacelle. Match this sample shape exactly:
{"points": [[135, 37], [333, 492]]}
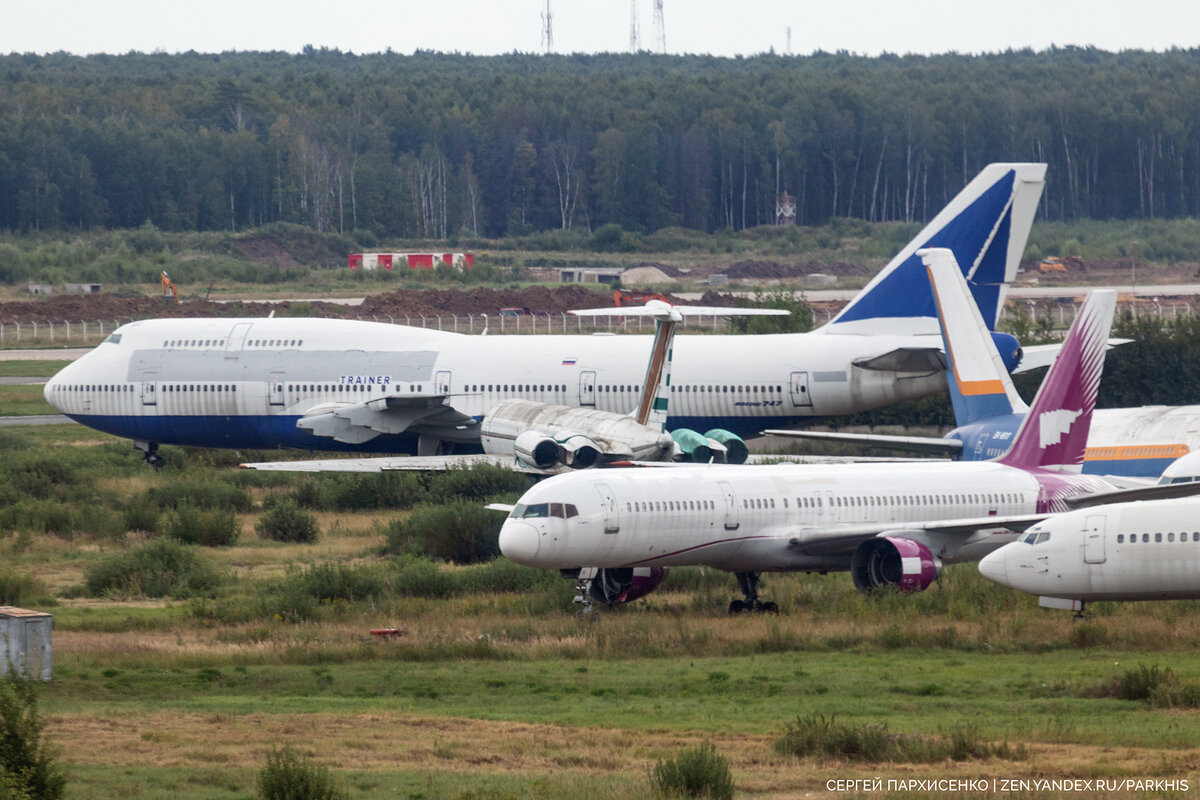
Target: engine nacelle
{"points": [[1009, 349], [692, 446], [537, 449], [625, 584], [736, 451], [577, 451], [893, 561]]}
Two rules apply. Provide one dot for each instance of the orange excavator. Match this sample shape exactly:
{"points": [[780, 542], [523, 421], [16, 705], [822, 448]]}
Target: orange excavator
{"points": [[168, 288], [632, 297]]}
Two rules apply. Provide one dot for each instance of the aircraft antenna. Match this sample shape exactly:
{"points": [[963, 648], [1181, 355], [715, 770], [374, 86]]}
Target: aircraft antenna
{"points": [[660, 30], [635, 38], [547, 30]]}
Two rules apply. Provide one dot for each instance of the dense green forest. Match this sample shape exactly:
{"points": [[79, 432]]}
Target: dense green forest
{"points": [[438, 145]]}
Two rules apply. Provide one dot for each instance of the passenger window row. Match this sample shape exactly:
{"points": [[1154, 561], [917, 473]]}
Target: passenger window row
{"points": [[1158, 537], [654, 506]]}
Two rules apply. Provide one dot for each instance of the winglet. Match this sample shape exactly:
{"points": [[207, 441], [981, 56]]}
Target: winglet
{"points": [[979, 383], [1055, 431]]}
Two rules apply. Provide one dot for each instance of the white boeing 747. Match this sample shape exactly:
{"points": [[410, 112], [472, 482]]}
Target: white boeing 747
{"points": [[617, 531], [322, 384]]}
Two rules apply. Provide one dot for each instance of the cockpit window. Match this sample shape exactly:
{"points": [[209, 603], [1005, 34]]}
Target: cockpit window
{"points": [[1044, 536], [1030, 538], [537, 510], [113, 338]]}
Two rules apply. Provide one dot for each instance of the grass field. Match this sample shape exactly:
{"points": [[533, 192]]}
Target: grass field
{"points": [[494, 688]]}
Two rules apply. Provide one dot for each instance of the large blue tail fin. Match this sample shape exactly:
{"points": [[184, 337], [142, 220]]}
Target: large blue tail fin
{"points": [[980, 387], [986, 226]]}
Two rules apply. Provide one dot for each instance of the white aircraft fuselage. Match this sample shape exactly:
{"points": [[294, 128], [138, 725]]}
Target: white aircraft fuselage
{"points": [[781, 517], [247, 383], [1125, 551]]}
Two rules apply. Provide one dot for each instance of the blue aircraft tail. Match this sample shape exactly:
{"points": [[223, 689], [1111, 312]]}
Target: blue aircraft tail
{"points": [[985, 226]]}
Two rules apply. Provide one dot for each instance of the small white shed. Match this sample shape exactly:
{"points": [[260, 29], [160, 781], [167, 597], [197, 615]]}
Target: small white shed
{"points": [[25, 642]]}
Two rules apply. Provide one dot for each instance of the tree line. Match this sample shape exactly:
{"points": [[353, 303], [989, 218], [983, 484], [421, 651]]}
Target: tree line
{"points": [[439, 145]]}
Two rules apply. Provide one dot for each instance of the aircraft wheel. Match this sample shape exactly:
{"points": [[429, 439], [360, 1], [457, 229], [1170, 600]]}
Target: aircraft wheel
{"points": [[736, 607], [768, 608]]}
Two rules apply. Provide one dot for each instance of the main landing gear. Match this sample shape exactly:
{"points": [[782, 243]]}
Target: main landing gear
{"points": [[150, 453], [748, 583]]}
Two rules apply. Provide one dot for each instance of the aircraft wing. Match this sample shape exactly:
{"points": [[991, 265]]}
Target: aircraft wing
{"points": [[1043, 355], [843, 539], [392, 464], [360, 422], [908, 444]]}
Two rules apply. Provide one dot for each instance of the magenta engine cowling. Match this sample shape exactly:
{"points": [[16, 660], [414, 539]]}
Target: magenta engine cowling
{"points": [[893, 561], [625, 584]]}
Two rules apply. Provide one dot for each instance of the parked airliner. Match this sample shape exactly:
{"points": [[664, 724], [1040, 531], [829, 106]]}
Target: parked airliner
{"points": [[1128, 442], [617, 531], [323, 384], [1123, 551]]}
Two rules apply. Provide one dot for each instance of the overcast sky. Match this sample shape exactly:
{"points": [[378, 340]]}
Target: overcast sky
{"points": [[721, 27]]}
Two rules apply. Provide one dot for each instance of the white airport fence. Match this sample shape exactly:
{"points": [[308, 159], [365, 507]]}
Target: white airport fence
{"points": [[51, 333]]}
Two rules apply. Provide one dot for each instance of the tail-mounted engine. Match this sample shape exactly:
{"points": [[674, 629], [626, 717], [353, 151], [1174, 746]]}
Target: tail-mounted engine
{"points": [[893, 561]]}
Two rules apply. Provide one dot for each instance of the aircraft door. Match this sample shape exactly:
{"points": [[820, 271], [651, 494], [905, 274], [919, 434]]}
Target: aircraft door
{"points": [[798, 387], [236, 338], [149, 391], [441, 381], [731, 506], [1093, 539], [587, 388], [275, 389], [612, 514]]}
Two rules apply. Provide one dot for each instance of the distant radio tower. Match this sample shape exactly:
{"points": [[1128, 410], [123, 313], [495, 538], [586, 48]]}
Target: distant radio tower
{"points": [[635, 38], [660, 30], [547, 30], [789, 38]]}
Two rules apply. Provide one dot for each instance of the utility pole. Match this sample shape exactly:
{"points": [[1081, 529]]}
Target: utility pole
{"points": [[635, 38], [547, 30], [660, 29]]}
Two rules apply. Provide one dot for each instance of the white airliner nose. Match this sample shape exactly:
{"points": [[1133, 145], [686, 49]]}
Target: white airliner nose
{"points": [[994, 566], [519, 541]]}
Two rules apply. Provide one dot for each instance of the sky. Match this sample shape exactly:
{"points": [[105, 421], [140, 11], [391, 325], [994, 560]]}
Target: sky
{"points": [[718, 27]]}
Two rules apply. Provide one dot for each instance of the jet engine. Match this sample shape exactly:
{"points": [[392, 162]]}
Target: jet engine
{"points": [[1009, 349], [893, 561], [625, 584], [544, 435]]}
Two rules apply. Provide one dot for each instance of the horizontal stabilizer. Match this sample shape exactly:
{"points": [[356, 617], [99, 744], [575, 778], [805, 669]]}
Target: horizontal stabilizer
{"points": [[906, 359], [907, 444]]}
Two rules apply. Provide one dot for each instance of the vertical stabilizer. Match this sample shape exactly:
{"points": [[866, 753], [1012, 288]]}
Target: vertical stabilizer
{"points": [[1055, 431], [985, 226], [979, 384]]}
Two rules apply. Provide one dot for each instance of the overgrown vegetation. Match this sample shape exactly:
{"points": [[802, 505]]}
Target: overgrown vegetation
{"points": [[160, 568], [289, 775], [287, 522], [28, 766], [824, 737], [460, 531], [696, 772]]}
